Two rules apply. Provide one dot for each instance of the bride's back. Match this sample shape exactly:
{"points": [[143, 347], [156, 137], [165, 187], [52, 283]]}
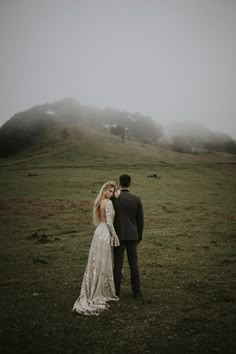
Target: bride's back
{"points": [[102, 210]]}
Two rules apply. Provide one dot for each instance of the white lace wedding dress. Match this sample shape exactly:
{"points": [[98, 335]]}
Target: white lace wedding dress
{"points": [[98, 283]]}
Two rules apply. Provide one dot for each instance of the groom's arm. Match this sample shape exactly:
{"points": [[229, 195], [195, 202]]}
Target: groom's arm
{"points": [[140, 219]]}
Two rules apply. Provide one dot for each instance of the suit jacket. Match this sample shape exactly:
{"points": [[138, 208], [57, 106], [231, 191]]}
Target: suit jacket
{"points": [[128, 221]]}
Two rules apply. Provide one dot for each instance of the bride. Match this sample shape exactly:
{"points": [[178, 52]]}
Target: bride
{"points": [[98, 283]]}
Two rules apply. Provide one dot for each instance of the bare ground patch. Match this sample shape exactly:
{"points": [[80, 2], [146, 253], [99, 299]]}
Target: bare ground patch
{"points": [[29, 207]]}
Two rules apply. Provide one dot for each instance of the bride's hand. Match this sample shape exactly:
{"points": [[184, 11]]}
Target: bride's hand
{"points": [[117, 193], [115, 241]]}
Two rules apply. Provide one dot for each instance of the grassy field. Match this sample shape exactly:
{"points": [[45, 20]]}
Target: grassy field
{"points": [[187, 258]]}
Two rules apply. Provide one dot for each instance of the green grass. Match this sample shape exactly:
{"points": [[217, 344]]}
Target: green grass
{"points": [[187, 258]]}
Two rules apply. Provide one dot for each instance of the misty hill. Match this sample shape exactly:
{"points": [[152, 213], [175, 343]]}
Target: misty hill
{"points": [[192, 137], [48, 120], [45, 123]]}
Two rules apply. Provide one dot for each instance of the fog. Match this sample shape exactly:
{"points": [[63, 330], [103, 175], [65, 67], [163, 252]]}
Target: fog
{"points": [[173, 60]]}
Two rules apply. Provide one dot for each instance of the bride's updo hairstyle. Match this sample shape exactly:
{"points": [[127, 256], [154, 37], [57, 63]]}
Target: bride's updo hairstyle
{"points": [[98, 200]]}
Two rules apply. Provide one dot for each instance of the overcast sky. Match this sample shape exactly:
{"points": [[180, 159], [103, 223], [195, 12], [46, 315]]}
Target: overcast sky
{"points": [[173, 60]]}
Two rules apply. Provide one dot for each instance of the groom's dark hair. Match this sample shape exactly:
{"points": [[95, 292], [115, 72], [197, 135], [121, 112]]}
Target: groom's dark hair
{"points": [[125, 181]]}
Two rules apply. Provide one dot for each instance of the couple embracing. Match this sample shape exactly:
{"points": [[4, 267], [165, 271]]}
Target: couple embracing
{"points": [[119, 219]]}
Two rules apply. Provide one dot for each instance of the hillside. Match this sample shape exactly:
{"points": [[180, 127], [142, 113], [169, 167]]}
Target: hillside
{"points": [[45, 122], [93, 153], [42, 125], [91, 147]]}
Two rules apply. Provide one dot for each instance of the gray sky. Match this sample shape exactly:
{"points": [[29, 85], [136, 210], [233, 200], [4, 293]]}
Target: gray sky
{"points": [[171, 59]]}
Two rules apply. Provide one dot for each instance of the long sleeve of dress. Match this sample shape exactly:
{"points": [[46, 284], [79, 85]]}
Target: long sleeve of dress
{"points": [[110, 213]]}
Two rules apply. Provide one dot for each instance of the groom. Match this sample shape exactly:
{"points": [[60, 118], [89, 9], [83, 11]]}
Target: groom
{"points": [[128, 224]]}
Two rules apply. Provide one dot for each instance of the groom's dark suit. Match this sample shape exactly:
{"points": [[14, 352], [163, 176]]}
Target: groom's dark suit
{"points": [[128, 223]]}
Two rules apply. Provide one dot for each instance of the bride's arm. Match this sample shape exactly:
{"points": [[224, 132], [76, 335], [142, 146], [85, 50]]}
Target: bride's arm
{"points": [[109, 219]]}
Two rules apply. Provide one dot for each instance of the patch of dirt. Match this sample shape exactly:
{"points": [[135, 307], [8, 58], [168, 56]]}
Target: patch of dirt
{"points": [[29, 207]]}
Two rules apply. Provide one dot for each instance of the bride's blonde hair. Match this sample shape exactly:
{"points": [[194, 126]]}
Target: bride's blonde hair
{"points": [[98, 200]]}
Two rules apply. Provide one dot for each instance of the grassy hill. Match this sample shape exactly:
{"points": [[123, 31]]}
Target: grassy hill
{"points": [[44, 122], [187, 258]]}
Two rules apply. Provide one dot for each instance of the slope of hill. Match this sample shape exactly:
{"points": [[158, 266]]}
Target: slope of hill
{"points": [[91, 153], [45, 121], [91, 147]]}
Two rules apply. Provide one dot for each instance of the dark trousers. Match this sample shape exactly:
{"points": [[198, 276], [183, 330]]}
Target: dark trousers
{"points": [[131, 249]]}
